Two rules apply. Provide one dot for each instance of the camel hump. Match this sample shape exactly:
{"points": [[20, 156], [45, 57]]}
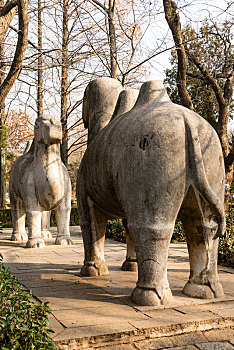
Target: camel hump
{"points": [[127, 99], [152, 90], [199, 177], [100, 97]]}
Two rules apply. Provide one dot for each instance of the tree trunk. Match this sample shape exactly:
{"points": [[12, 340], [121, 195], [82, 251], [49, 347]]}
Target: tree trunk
{"points": [[64, 83], [112, 39], [39, 67], [2, 134], [6, 15], [173, 20], [221, 128], [16, 65], [4, 24]]}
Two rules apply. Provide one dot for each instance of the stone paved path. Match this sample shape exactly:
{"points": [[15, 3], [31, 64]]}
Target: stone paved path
{"points": [[98, 313]]}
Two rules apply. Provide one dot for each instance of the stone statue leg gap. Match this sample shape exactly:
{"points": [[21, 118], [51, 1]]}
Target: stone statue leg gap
{"points": [[130, 264], [45, 225]]}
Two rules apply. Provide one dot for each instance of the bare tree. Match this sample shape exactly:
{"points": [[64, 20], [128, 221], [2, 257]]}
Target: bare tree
{"points": [[40, 62], [7, 12], [223, 94], [64, 81]]}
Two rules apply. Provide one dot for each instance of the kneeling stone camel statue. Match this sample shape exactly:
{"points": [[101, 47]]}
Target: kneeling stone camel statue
{"points": [[148, 166], [39, 182]]}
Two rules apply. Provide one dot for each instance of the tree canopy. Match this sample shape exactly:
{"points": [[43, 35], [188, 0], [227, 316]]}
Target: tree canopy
{"points": [[212, 46]]}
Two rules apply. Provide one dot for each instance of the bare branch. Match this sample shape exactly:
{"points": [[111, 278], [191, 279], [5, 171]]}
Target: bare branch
{"points": [[207, 75], [10, 4], [19, 52], [98, 3]]}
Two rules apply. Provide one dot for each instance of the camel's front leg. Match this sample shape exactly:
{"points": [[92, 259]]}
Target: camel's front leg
{"points": [[45, 225], [34, 228], [130, 264], [18, 219], [62, 213], [93, 226]]}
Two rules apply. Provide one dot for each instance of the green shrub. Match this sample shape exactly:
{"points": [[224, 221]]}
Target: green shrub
{"points": [[5, 218], [226, 244], [178, 234], [115, 230], [23, 322]]}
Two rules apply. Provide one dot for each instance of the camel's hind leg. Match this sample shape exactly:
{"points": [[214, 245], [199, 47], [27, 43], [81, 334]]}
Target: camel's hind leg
{"points": [[93, 226], [152, 244], [34, 227], [62, 213], [45, 225], [18, 220], [130, 264], [200, 230]]}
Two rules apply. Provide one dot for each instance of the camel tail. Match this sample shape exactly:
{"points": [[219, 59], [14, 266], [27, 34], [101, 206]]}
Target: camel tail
{"points": [[200, 179]]}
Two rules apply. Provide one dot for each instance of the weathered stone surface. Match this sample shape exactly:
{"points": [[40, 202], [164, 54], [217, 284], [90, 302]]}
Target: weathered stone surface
{"points": [[118, 347], [188, 339], [226, 334], [55, 325], [223, 309], [148, 164], [40, 182], [153, 344], [215, 346], [110, 331], [76, 298], [108, 314], [184, 347]]}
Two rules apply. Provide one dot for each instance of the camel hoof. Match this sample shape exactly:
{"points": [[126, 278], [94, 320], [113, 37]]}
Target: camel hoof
{"points": [[35, 243], [63, 240], [202, 291], [46, 234], [19, 237], [149, 297], [129, 265], [90, 270]]}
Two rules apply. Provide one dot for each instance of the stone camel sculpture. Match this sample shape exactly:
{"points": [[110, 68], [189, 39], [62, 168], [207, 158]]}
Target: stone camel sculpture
{"points": [[39, 182], [148, 166]]}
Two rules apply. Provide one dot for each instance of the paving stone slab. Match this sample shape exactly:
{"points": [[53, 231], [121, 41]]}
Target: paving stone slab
{"points": [[79, 299], [215, 346], [164, 342], [118, 347], [97, 311], [214, 335], [188, 339], [98, 335], [184, 347], [107, 314]]}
